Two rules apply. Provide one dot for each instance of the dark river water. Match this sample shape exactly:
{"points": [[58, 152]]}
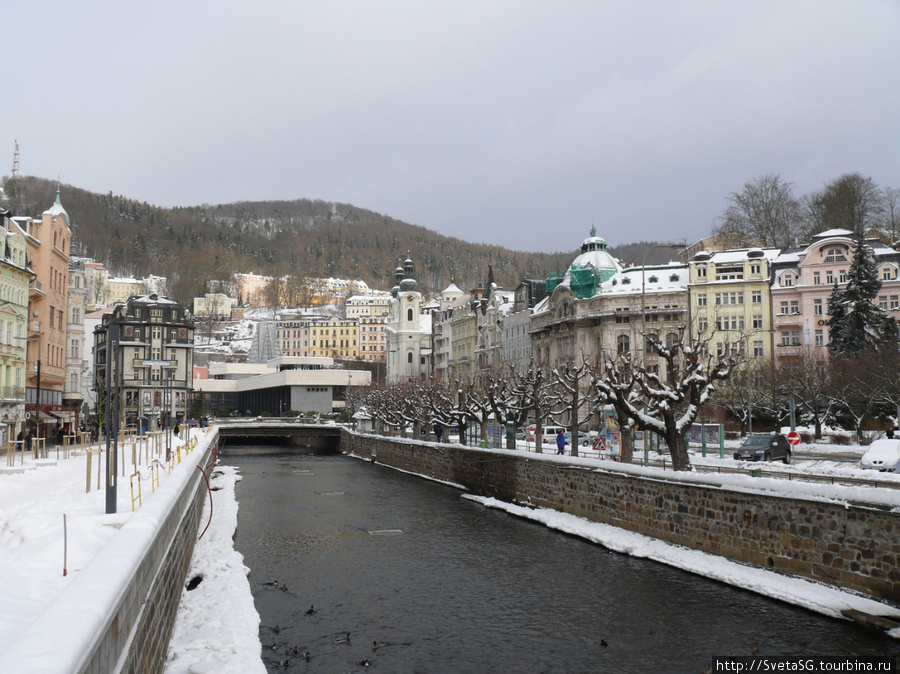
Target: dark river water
{"points": [[442, 584]]}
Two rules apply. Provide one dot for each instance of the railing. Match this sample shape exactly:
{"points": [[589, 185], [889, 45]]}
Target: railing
{"points": [[12, 393]]}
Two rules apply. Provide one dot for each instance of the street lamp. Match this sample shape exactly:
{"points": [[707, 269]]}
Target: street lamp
{"points": [[644, 320]]}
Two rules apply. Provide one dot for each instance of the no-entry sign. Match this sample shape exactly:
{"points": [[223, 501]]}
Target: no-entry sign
{"points": [[793, 438]]}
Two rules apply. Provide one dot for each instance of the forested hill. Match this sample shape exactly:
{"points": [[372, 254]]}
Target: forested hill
{"points": [[194, 245]]}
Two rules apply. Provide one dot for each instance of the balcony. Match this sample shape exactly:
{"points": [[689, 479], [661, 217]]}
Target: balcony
{"points": [[12, 394], [37, 290]]}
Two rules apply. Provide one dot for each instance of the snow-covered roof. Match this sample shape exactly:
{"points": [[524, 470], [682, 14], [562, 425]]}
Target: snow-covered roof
{"points": [[741, 254], [833, 232], [669, 278]]}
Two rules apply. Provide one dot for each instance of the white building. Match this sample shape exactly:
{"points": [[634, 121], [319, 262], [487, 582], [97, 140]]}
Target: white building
{"points": [[408, 331]]}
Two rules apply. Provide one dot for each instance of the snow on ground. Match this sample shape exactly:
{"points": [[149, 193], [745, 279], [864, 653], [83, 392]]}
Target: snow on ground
{"points": [[217, 625], [217, 629]]}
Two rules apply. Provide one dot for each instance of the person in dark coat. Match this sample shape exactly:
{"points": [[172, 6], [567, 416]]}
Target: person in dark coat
{"points": [[560, 443], [890, 432], [20, 441], [439, 431], [28, 437]]}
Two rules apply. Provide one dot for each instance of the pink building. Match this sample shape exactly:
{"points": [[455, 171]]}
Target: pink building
{"points": [[802, 281]]}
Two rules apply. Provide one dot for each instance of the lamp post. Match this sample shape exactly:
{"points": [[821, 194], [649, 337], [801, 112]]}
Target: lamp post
{"points": [[644, 320]]}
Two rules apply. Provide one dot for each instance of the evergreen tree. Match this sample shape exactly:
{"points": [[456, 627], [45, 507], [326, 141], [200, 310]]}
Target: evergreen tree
{"points": [[856, 322]]}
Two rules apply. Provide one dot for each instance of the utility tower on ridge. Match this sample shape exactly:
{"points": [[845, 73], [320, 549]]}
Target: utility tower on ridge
{"points": [[15, 166]]}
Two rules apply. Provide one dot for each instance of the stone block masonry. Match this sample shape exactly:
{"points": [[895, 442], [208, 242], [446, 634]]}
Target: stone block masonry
{"points": [[851, 544]]}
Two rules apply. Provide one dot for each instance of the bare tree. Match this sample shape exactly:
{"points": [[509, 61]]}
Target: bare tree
{"points": [[535, 393], [572, 400], [889, 215], [669, 406], [766, 210], [851, 201], [807, 377], [742, 393], [616, 384]]}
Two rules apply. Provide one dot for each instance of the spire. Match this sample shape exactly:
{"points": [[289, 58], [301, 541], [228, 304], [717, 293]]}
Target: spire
{"points": [[593, 230], [490, 278], [58, 202]]}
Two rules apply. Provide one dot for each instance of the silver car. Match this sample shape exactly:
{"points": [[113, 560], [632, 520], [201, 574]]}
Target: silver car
{"points": [[882, 455]]}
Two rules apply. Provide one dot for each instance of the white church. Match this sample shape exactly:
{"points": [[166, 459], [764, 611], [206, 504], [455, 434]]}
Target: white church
{"points": [[408, 330]]}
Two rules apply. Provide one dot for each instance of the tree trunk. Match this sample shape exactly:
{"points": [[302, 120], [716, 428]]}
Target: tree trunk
{"points": [[678, 451], [626, 443]]}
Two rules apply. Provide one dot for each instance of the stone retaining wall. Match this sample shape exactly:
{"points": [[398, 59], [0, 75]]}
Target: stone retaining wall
{"points": [[853, 545]]}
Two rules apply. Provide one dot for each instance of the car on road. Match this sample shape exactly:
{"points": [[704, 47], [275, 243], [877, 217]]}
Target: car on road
{"points": [[764, 447], [583, 439], [882, 455]]}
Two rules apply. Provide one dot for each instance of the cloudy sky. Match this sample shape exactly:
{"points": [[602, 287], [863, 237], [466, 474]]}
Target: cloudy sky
{"points": [[516, 123]]}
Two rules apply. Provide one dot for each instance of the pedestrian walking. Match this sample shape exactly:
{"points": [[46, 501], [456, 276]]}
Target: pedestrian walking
{"points": [[439, 431], [890, 432], [560, 442]]}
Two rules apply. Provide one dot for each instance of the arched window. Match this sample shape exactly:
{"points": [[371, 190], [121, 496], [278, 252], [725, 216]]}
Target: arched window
{"points": [[409, 314], [623, 344], [409, 355]]}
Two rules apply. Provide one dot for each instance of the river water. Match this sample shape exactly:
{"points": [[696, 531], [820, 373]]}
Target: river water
{"points": [[337, 545]]}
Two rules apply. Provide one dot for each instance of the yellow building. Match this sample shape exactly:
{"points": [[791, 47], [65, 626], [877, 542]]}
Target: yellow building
{"points": [[730, 300]]}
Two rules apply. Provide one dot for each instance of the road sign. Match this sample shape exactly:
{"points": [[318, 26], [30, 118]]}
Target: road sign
{"points": [[793, 438]]}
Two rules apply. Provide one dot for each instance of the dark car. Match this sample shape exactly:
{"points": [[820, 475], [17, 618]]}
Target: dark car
{"points": [[764, 448]]}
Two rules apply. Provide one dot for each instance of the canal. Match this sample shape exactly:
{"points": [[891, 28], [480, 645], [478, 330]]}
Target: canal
{"points": [[426, 581]]}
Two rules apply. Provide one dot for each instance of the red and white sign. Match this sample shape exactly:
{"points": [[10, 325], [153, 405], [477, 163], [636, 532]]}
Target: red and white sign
{"points": [[793, 438]]}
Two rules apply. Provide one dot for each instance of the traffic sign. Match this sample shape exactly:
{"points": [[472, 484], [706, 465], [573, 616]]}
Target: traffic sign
{"points": [[793, 438]]}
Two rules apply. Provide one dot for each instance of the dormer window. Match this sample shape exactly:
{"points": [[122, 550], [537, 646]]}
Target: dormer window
{"points": [[835, 255], [653, 279], [787, 281]]}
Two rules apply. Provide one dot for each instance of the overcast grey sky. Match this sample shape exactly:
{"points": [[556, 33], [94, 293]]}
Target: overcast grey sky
{"points": [[516, 123]]}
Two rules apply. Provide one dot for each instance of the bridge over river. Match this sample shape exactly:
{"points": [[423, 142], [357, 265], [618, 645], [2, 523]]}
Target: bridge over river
{"points": [[319, 438]]}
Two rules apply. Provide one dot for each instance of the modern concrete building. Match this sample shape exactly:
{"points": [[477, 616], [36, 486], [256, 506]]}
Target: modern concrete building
{"points": [[303, 384]]}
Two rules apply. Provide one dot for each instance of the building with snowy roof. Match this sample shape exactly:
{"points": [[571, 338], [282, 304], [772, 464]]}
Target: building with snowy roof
{"points": [[803, 279], [155, 337], [731, 303], [408, 330]]}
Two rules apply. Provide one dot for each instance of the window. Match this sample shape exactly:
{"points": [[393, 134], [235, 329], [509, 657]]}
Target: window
{"points": [[817, 307], [702, 325], [895, 302], [817, 278], [820, 338], [844, 276], [623, 344], [409, 315], [835, 255], [882, 302], [757, 297], [785, 338], [73, 349], [701, 300], [756, 269], [757, 349], [409, 357], [795, 307], [784, 308], [795, 338], [886, 273], [787, 280], [757, 321], [701, 271]]}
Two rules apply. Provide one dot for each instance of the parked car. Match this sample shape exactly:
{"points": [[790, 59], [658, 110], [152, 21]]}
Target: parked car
{"points": [[882, 455], [764, 448], [521, 433], [583, 439]]}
